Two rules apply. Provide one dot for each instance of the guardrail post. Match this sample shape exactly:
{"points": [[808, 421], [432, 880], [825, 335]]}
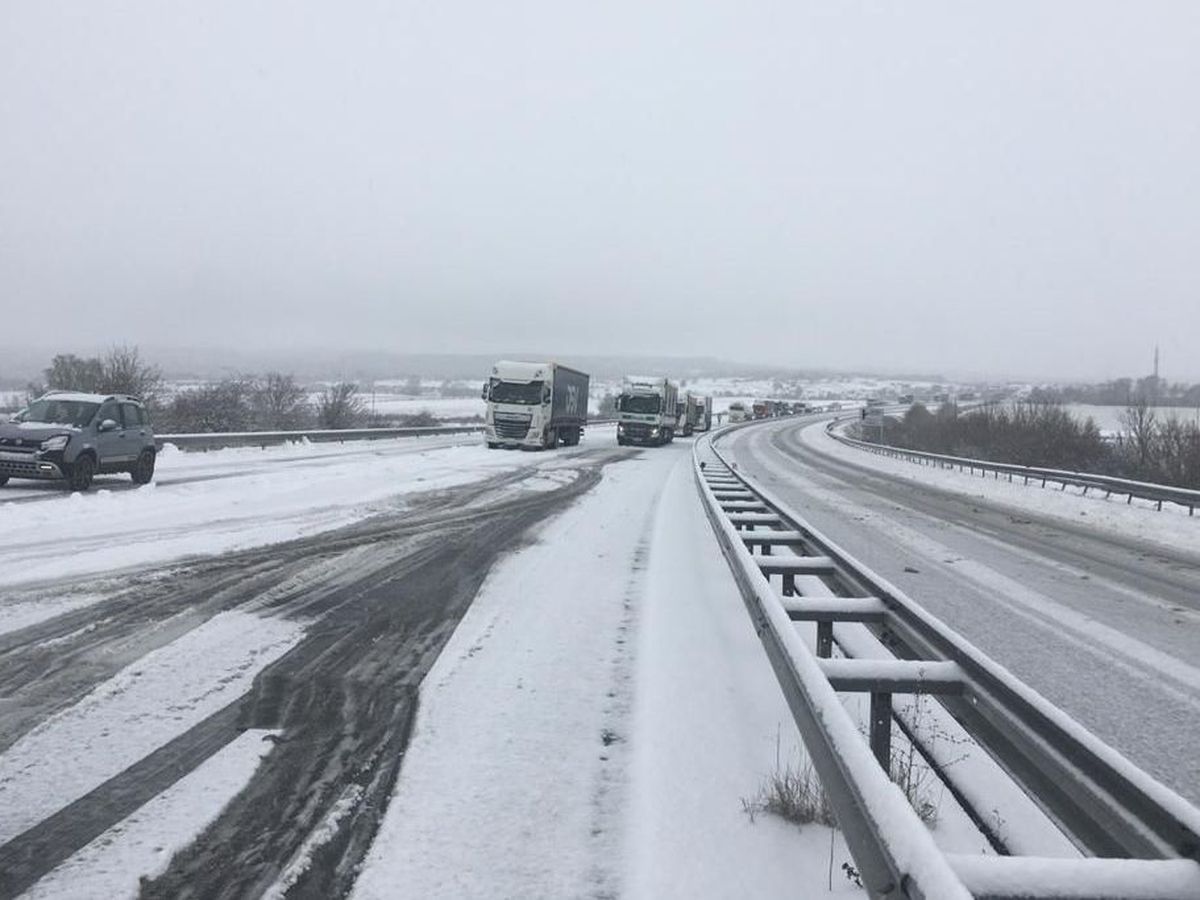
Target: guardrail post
{"points": [[881, 729], [825, 639]]}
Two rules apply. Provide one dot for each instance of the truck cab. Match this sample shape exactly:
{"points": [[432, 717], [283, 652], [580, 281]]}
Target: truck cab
{"points": [[534, 405], [647, 411]]}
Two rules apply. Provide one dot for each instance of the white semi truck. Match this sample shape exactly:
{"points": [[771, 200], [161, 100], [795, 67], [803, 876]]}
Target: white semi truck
{"points": [[535, 405], [646, 410]]}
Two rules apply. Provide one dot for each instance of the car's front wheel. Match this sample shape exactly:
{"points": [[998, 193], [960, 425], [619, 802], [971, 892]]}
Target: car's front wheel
{"points": [[81, 474], [143, 469]]}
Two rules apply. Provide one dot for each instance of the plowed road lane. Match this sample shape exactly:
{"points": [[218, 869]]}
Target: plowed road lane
{"points": [[1107, 629]]}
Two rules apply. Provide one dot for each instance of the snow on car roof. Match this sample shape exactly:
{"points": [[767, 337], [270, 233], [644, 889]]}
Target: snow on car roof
{"points": [[86, 398], [72, 395]]}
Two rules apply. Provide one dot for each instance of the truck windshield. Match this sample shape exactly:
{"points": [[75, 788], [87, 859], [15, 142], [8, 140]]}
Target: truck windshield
{"points": [[529, 393], [58, 412], [638, 403]]}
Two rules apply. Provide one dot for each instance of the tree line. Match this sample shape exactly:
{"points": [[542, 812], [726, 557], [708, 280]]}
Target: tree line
{"points": [[274, 401], [1149, 447]]}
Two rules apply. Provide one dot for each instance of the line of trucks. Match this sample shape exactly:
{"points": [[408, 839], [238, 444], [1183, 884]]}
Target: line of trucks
{"points": [[539, 405]]}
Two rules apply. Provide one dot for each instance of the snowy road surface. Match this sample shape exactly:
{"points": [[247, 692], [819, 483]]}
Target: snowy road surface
{"points": [[1101, 619], [440, 671], [229, 717]]}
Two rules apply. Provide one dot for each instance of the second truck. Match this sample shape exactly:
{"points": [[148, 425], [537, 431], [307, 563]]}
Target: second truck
{"points": [[646, 410], [535, 405]]}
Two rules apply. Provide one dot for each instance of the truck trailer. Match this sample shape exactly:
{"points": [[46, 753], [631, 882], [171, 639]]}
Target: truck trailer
{"points": [[535, 405], [646, 410], [687, 413]]}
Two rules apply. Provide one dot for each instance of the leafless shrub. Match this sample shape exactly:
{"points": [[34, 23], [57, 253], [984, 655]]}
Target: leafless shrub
{"points": [[279, 403], [224, 406], [339, 406]]}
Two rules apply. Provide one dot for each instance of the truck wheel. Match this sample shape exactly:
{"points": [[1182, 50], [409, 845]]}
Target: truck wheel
{"points": [[79, 478], [571, 436], [3, 480], [143, 469], [492, 445]]}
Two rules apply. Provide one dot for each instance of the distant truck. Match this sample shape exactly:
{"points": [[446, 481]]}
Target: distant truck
{"points": [[737, 412], [688, 411], [535, 405], [704, 413], [647, 411]]}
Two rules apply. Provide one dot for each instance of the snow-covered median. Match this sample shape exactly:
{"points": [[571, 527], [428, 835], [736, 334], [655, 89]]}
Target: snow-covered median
{"points": [[597, 719]]}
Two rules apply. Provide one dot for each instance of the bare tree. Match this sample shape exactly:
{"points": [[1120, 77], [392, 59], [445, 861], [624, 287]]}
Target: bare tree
{"points": [[1139, 422], [69, 372], [279, 403], [124, 372], [220, 407], [339, 406]]}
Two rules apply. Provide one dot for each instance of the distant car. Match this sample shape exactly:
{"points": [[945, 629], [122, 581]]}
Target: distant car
{"points": [[73, 437]]}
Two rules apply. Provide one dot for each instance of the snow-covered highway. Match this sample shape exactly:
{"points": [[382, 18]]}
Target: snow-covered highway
{"points": [[225, 710], [1102, 619], [427, 669]]}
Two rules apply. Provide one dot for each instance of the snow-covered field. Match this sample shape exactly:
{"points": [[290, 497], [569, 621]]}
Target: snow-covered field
{"points": [[1108, 418]]}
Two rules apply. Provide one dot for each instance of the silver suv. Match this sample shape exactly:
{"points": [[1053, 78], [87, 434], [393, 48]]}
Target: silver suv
{"points": [[72, 437]]}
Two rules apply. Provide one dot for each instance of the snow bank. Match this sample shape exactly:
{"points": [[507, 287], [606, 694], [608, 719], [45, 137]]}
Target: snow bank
{"points": [[1172, 527]]}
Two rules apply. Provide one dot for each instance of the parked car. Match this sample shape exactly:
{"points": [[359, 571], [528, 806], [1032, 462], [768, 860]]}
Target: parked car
{"points": [[72, 437]]}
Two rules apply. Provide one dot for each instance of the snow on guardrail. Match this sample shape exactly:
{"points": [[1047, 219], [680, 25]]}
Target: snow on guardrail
{"points": [[218, 440]]}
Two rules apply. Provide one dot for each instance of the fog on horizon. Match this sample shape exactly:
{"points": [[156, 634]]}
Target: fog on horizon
{"points": [[923, 187]]}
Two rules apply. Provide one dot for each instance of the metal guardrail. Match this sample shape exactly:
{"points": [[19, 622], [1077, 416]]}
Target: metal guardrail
{"points": [[1140, 838], [1143, 490], [218, 440]]}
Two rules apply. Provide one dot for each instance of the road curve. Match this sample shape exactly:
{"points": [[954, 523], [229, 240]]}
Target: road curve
{"points": [[1109, 630]]}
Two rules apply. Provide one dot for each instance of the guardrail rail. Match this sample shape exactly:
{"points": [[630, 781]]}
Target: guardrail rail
{"points": [[219, 440], [1138, 838], [1143, 490]]}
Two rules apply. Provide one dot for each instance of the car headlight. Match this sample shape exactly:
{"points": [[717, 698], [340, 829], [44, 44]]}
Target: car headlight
{"points": [[653, 431], [620, 428], [58, 442]]}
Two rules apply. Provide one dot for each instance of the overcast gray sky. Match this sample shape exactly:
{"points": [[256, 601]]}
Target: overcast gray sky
{"points": [[1007, 188]]}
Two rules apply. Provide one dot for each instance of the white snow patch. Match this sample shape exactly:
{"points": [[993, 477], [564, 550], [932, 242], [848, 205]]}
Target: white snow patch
{"points": [[135, 712], [142, 844]]}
